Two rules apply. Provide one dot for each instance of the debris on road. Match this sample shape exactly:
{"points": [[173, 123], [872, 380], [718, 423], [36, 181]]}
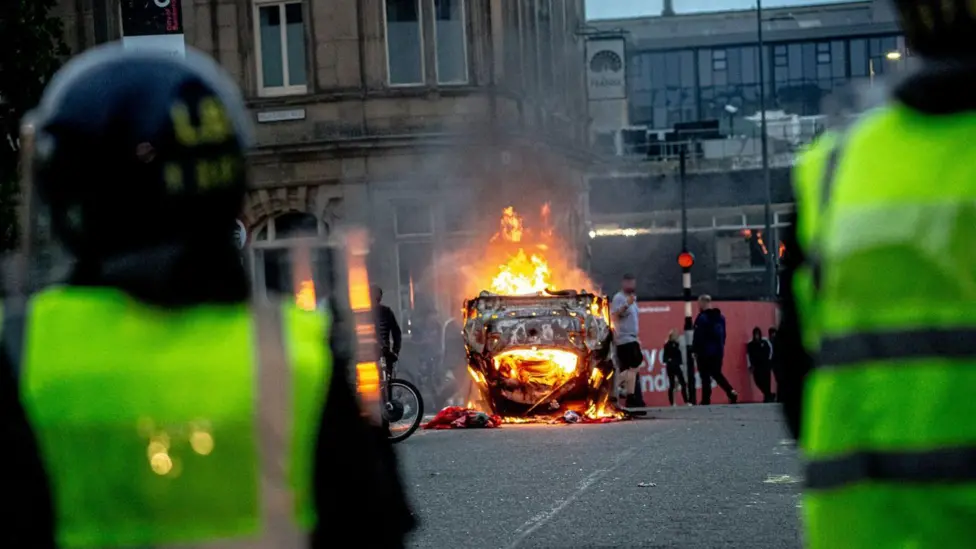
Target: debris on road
{"points": [[460, 417], [646, 485], [457, 417]]}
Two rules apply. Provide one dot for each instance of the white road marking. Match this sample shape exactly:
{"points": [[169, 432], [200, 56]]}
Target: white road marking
{"points": [[781, 479], [541, 519]]}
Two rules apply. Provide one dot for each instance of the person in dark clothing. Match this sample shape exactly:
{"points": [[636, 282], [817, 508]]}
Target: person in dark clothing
{"points": [[774, 362], [789, 340], [672, 361], [387, 328], [758, 352], [709, 348]]}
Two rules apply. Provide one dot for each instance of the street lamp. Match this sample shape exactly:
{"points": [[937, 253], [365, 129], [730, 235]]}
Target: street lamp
{"points": [[894, 55], [731, 110]]}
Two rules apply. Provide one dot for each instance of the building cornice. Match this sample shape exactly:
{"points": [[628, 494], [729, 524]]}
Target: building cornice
{"points": [[351, 94], [358, 146]]}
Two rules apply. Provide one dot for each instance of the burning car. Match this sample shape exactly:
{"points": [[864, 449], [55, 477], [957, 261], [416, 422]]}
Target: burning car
{"points": [[531, 350], [541, 354]]}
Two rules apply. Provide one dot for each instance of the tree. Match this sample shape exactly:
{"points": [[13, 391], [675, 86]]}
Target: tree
{"points": [[31, 50]]}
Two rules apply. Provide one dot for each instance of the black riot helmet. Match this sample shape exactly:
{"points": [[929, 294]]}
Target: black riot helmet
{"points": [[939, 29], [134, 150]]}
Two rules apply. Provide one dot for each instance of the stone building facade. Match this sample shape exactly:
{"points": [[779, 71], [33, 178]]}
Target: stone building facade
{"points": [[420, 119]]}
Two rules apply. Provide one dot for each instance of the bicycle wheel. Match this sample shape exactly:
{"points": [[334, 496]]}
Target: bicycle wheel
{"points": [[405, 409]]}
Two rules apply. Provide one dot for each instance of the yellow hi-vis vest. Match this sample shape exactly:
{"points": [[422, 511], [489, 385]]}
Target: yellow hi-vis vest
{"points": [[163, 428], [887, 305]]}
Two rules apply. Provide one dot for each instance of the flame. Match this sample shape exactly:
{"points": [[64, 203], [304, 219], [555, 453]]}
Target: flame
{"points": [[782, 248], [520, 260], [512, 226], [603, 410], [537, 363], [522, 273], [748, 233], [546, 226], [305, 296], [761, 242]]}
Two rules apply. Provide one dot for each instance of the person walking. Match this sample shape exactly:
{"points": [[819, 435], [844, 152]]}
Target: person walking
{"points": [[758, 353], [672, 362], [878, 328], [626, 327], [168, 409], [709, 348]]}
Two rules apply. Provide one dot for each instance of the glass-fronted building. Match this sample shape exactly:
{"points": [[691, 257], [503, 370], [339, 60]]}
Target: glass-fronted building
{"points": [[698, 83], [702, 73]]}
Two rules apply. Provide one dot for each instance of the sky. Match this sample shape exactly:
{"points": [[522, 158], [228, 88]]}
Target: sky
{"points": [[610, 9]]}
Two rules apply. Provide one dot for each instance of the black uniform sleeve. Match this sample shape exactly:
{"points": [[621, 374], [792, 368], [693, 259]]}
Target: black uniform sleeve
{"points": [[27, 519], [395, 332], [357, 482], [793, 359]]}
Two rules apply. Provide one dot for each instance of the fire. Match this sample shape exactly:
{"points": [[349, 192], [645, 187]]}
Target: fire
{"points": [[512, 226], [523, 273], [552, 366], [761, 242], [603, 411]]}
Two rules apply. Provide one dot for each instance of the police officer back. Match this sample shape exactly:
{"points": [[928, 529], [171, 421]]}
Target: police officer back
{"points": [[879, 331], [157, 407]]}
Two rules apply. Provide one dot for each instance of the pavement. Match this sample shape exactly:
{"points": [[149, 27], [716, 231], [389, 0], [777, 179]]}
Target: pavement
{"points": [[704, 477]]}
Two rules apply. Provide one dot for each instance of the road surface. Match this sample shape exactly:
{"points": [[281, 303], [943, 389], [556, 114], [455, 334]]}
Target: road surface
{"points": [[707, 477]]}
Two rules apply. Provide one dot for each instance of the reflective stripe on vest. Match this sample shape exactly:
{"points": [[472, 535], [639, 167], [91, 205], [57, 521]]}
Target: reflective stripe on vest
{"points": [[854, 349], [157, 429], [891, 319]]}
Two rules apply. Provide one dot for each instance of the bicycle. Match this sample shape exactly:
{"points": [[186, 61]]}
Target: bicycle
{"points": [[401, 403]]}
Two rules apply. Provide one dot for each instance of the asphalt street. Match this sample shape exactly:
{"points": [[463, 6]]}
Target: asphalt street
{"points": [[703, 477]]}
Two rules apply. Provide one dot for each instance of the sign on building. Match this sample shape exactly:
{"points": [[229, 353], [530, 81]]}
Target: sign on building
{"points": [[606, 68], [153, 25]]}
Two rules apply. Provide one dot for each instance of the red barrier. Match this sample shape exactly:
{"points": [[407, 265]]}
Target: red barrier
{"points": [[657, 318]]}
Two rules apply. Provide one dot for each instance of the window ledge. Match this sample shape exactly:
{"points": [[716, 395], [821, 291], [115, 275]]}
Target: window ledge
{"points": [[282, 91], [345, 94]]}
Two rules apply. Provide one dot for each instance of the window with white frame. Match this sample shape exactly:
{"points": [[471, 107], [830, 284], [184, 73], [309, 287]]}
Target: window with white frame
{"points": [[452, 48], [404, 42], [280, 33], [275, 269], [785, 218]]}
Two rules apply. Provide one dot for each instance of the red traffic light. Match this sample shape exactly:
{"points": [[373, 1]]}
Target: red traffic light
{"points": [[686, 260]]}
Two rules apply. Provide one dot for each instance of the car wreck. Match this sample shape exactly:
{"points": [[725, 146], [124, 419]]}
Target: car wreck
{"points": [[542, 354]]}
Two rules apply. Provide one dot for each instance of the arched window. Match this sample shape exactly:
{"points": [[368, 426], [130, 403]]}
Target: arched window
{"points": [[290, 225], [276, 270]]}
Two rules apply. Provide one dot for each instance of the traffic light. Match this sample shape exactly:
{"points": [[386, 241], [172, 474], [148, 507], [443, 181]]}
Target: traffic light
{"points": [[686, 260]]}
